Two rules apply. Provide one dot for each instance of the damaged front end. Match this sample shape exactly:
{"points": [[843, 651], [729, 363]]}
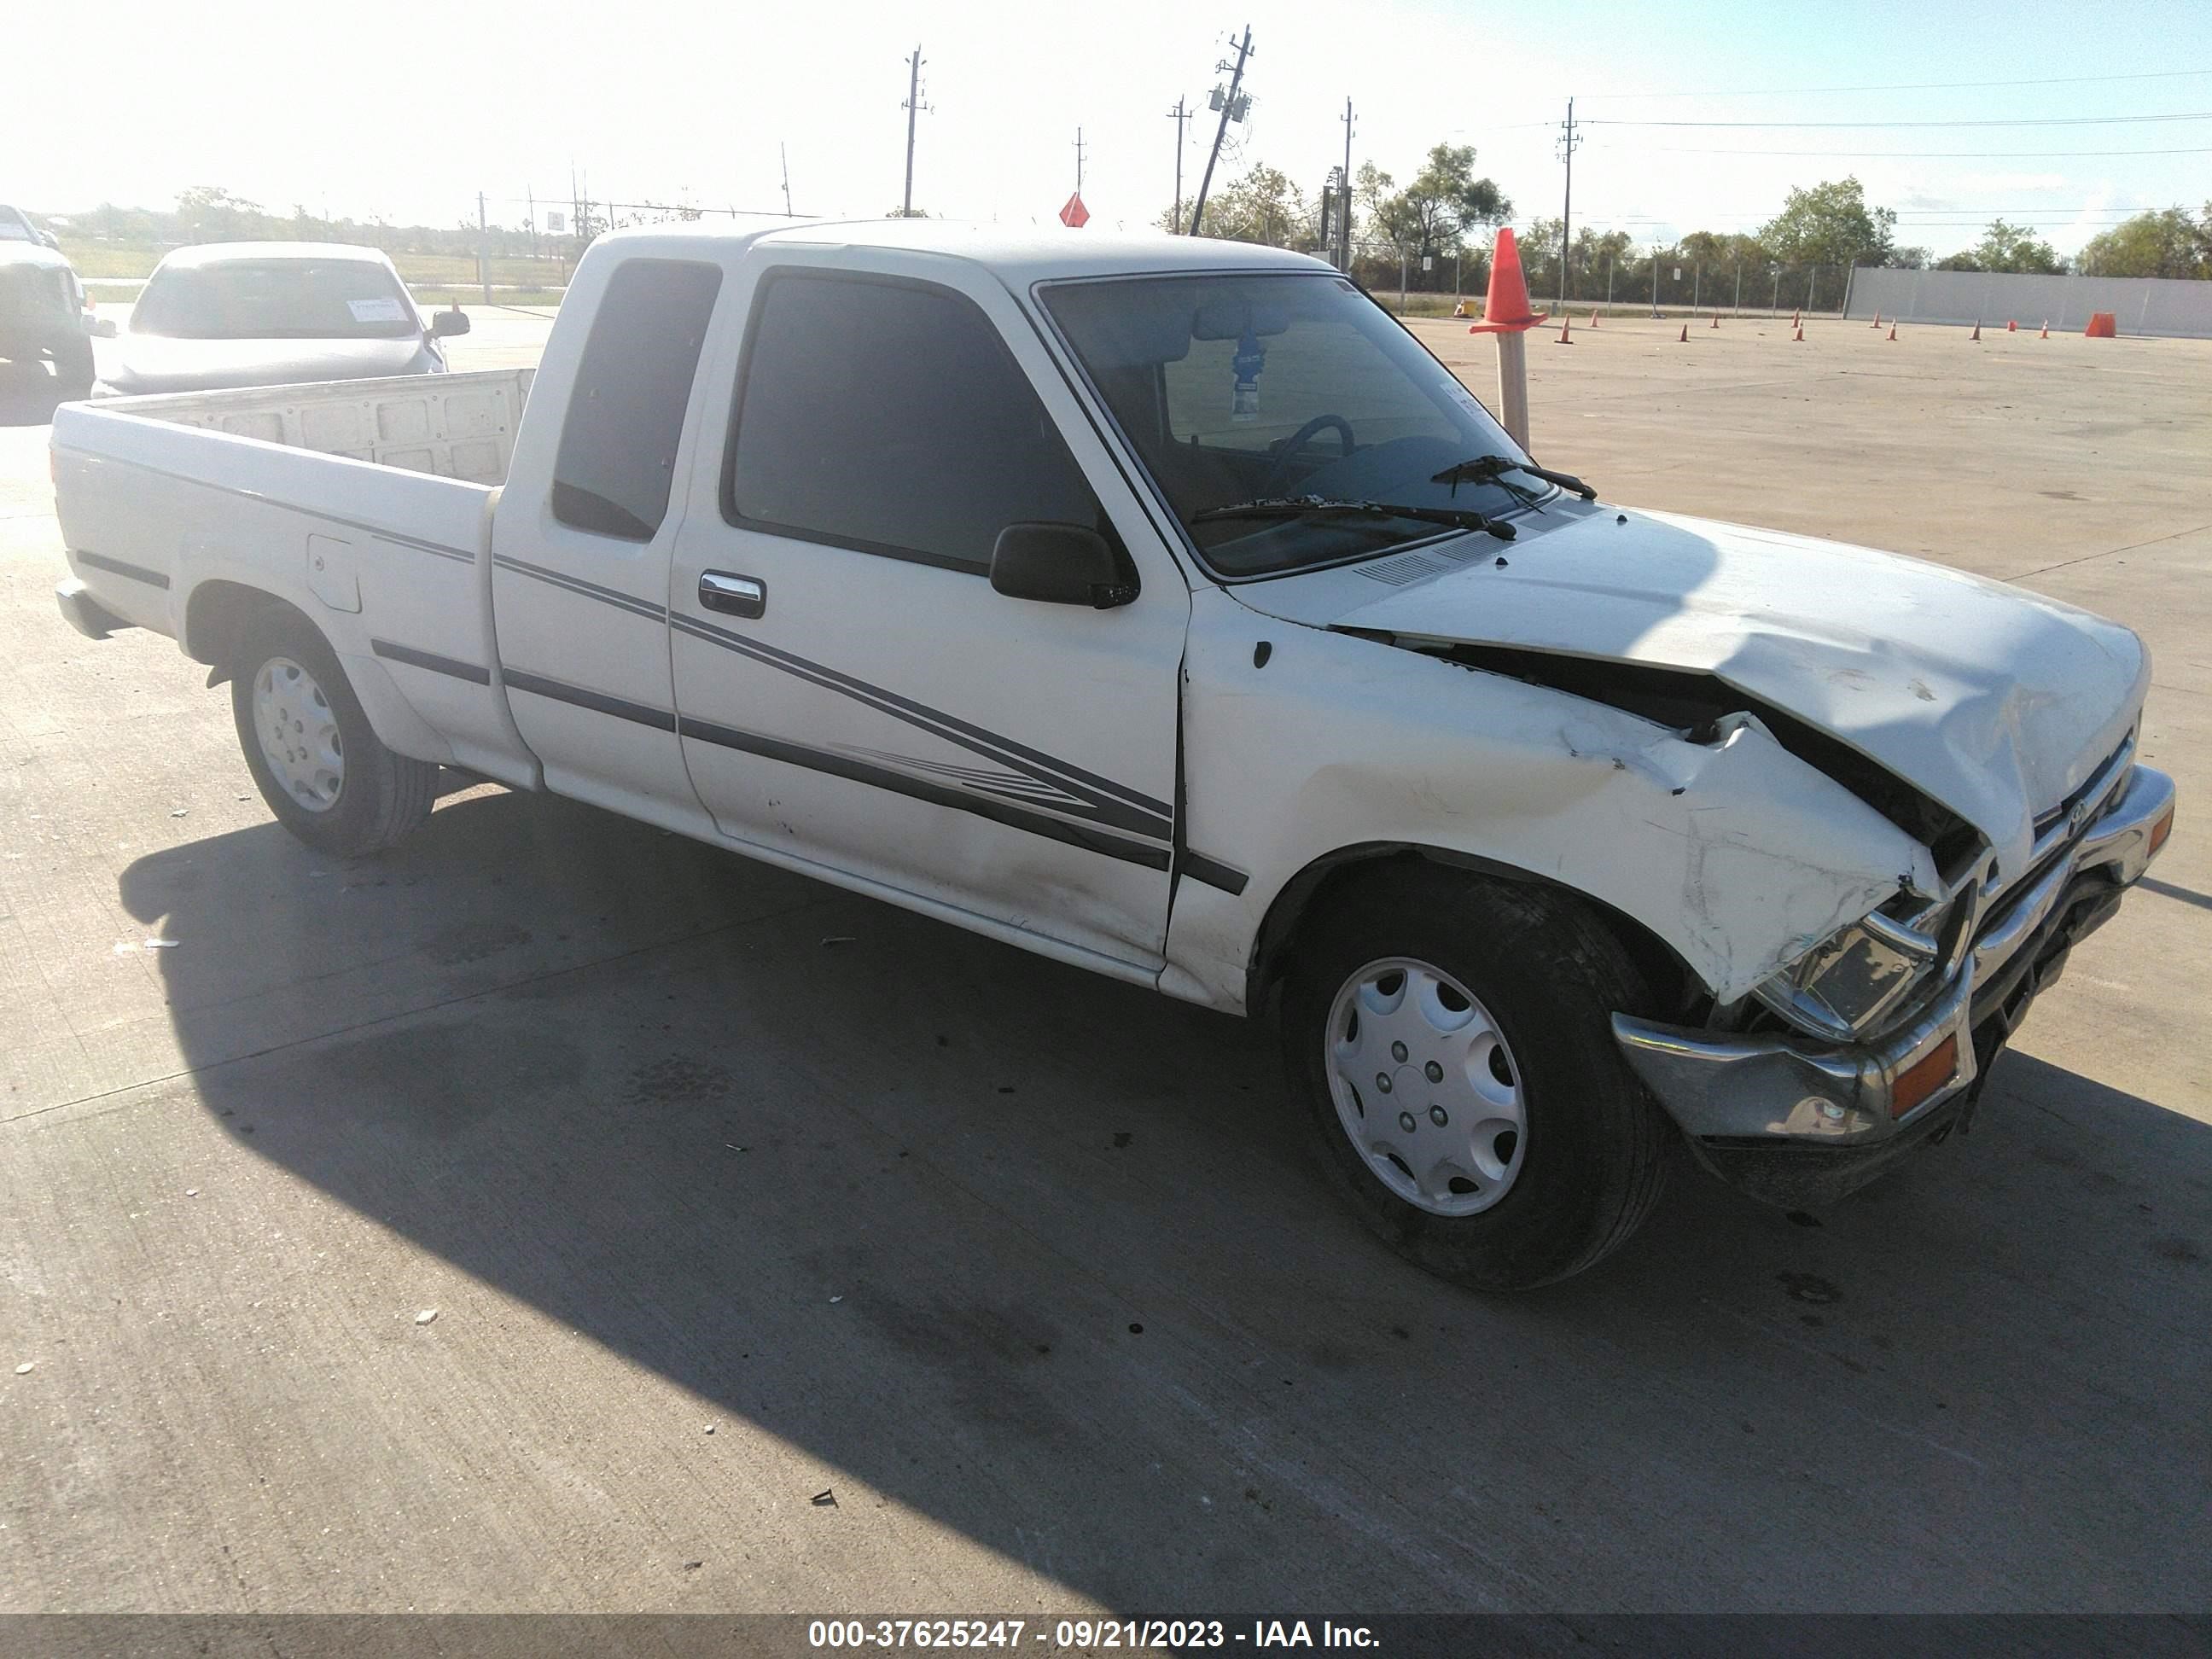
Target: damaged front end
{"points": [[1785, 1098], [1875, 1039]]}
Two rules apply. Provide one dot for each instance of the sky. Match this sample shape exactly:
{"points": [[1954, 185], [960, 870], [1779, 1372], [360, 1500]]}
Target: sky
{"points": [[407, 113]]}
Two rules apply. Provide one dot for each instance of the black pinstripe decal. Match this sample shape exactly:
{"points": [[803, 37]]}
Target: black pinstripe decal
{"points": [[1108, 803], [137, 573], [452, 666]]}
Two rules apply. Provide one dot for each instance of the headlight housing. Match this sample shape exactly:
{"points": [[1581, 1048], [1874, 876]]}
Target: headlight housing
{"points": [[1855, 980]]}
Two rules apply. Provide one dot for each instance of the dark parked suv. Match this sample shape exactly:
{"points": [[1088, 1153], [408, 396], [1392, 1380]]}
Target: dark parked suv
{"points": [[42, 311]]}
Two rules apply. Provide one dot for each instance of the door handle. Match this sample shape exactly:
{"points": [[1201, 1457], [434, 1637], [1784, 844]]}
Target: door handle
{"points": [[740, 596]]}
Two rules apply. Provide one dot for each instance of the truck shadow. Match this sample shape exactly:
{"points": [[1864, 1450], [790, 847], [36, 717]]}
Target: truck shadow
{"points": [[1035, 1254], [28, 396]]}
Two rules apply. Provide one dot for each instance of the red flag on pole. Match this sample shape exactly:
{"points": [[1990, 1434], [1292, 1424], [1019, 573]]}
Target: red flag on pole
{"points": [[1075, 215]]}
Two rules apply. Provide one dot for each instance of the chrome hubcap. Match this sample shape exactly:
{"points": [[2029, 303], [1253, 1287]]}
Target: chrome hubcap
{"points": [[1426, 1087], [299, 734]]}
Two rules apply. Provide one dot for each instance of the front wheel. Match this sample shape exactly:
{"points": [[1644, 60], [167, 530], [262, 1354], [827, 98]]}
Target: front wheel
{"points": [[1450, 1041], [317, 761]]}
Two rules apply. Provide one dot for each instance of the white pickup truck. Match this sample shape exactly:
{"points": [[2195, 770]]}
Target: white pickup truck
{"points": [[1161, 606]]}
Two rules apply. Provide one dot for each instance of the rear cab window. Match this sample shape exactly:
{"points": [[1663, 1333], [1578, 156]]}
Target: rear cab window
{"points": [[888, 417], [616, 461]]}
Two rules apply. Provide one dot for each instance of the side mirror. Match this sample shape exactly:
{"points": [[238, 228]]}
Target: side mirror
{"points": [[101, 328], [445, 324], [1059, 564]]}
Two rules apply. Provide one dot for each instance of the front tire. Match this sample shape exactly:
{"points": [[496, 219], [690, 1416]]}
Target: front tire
{"points": [[314, 757], [1449, 1037]]}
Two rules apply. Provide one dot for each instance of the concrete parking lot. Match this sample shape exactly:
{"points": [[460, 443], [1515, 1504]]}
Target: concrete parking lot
{"points": [[790, 1252]]}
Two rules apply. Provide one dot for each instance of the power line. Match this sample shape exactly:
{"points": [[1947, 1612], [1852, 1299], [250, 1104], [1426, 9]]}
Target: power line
{"points": [[1920, 86], [1937, 155], [2031, 121]]}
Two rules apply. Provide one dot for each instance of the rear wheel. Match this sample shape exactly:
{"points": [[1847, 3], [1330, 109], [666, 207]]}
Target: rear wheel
{"points": [[314, 754], [1450, 1039]]}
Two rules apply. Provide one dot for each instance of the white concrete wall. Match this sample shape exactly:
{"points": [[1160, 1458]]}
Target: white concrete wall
{"points": [[2142, 304]]}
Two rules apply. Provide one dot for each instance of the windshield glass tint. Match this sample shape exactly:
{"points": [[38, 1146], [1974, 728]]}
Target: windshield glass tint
{"points": [[276, 300], [1240, 388]]}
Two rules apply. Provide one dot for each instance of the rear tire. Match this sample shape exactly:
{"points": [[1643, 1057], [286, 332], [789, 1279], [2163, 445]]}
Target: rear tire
{"points": [[1450, 1039], [314, 757]]}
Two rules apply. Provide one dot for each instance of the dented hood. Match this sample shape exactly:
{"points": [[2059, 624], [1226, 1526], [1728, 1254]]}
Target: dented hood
{"points": [[1992, 701]]}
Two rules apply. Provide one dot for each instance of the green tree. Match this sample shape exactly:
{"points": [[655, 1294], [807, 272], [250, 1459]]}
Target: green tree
{"points": [[1830, 224], [2015, 248], [211, 213], [2169, 243], [1262, 205], [1445, 201]]}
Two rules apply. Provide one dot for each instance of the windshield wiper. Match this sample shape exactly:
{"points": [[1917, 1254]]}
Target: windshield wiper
{"points": [[1295, 506], [1483, 467]]}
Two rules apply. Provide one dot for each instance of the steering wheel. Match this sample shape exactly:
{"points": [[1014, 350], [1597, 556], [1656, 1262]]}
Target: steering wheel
{"points": [[1299, 441]]}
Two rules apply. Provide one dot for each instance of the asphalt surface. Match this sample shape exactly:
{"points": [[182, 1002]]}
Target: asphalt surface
{"points": [[729, 1192]]}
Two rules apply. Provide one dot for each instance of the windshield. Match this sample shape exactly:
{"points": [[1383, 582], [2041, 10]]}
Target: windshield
{"points": [[276, 300], [1235, 389]]}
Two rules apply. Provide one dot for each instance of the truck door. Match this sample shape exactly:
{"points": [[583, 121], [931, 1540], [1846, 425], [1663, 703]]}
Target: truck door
{"points": [[853, 694], [582, 535]]}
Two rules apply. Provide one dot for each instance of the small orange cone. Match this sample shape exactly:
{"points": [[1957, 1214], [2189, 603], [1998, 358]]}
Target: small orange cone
{"points": [[1460, 310], [1877, 319], [1977, 334], [1801, 331], [1566, 331], [1593, 323], [2046, 328], [1686, 334], [1716, 319], [2012, 325], [1892, 328], [2103, 326]]}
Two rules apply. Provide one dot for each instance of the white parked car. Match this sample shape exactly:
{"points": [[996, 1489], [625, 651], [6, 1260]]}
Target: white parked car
{"points": [[273, 313], [1161, 606]]}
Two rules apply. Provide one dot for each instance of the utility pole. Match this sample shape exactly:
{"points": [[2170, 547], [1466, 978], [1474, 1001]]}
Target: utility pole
{"points": [[1344, 227], [1569, 139], [912, 105], [483, 251], [1079, 160], [1178, 115], [1228, 110], [784, 153], [1654, 279]]}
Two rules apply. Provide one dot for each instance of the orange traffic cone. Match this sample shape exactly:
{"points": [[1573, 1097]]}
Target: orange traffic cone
{"points": [[2012, 325], [1978, 330], [1686, 334], [1505, 307], [1593, 322], [1892, 328], [1716, 319], [1566, 331], [1796, 319], [2046, 328], [1460, 309], [1801, 331], [1877, 319]]}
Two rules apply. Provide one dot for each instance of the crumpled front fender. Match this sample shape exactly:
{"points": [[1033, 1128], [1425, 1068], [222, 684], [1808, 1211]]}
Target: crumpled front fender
{"points": [[1733, 852]]}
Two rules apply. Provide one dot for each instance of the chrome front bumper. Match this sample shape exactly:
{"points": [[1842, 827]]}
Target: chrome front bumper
{"points": [[1779, 1092]]}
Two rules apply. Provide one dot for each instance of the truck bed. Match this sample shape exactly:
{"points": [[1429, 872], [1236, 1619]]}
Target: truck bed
{"points": [[451, 425], [365, 504]]}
